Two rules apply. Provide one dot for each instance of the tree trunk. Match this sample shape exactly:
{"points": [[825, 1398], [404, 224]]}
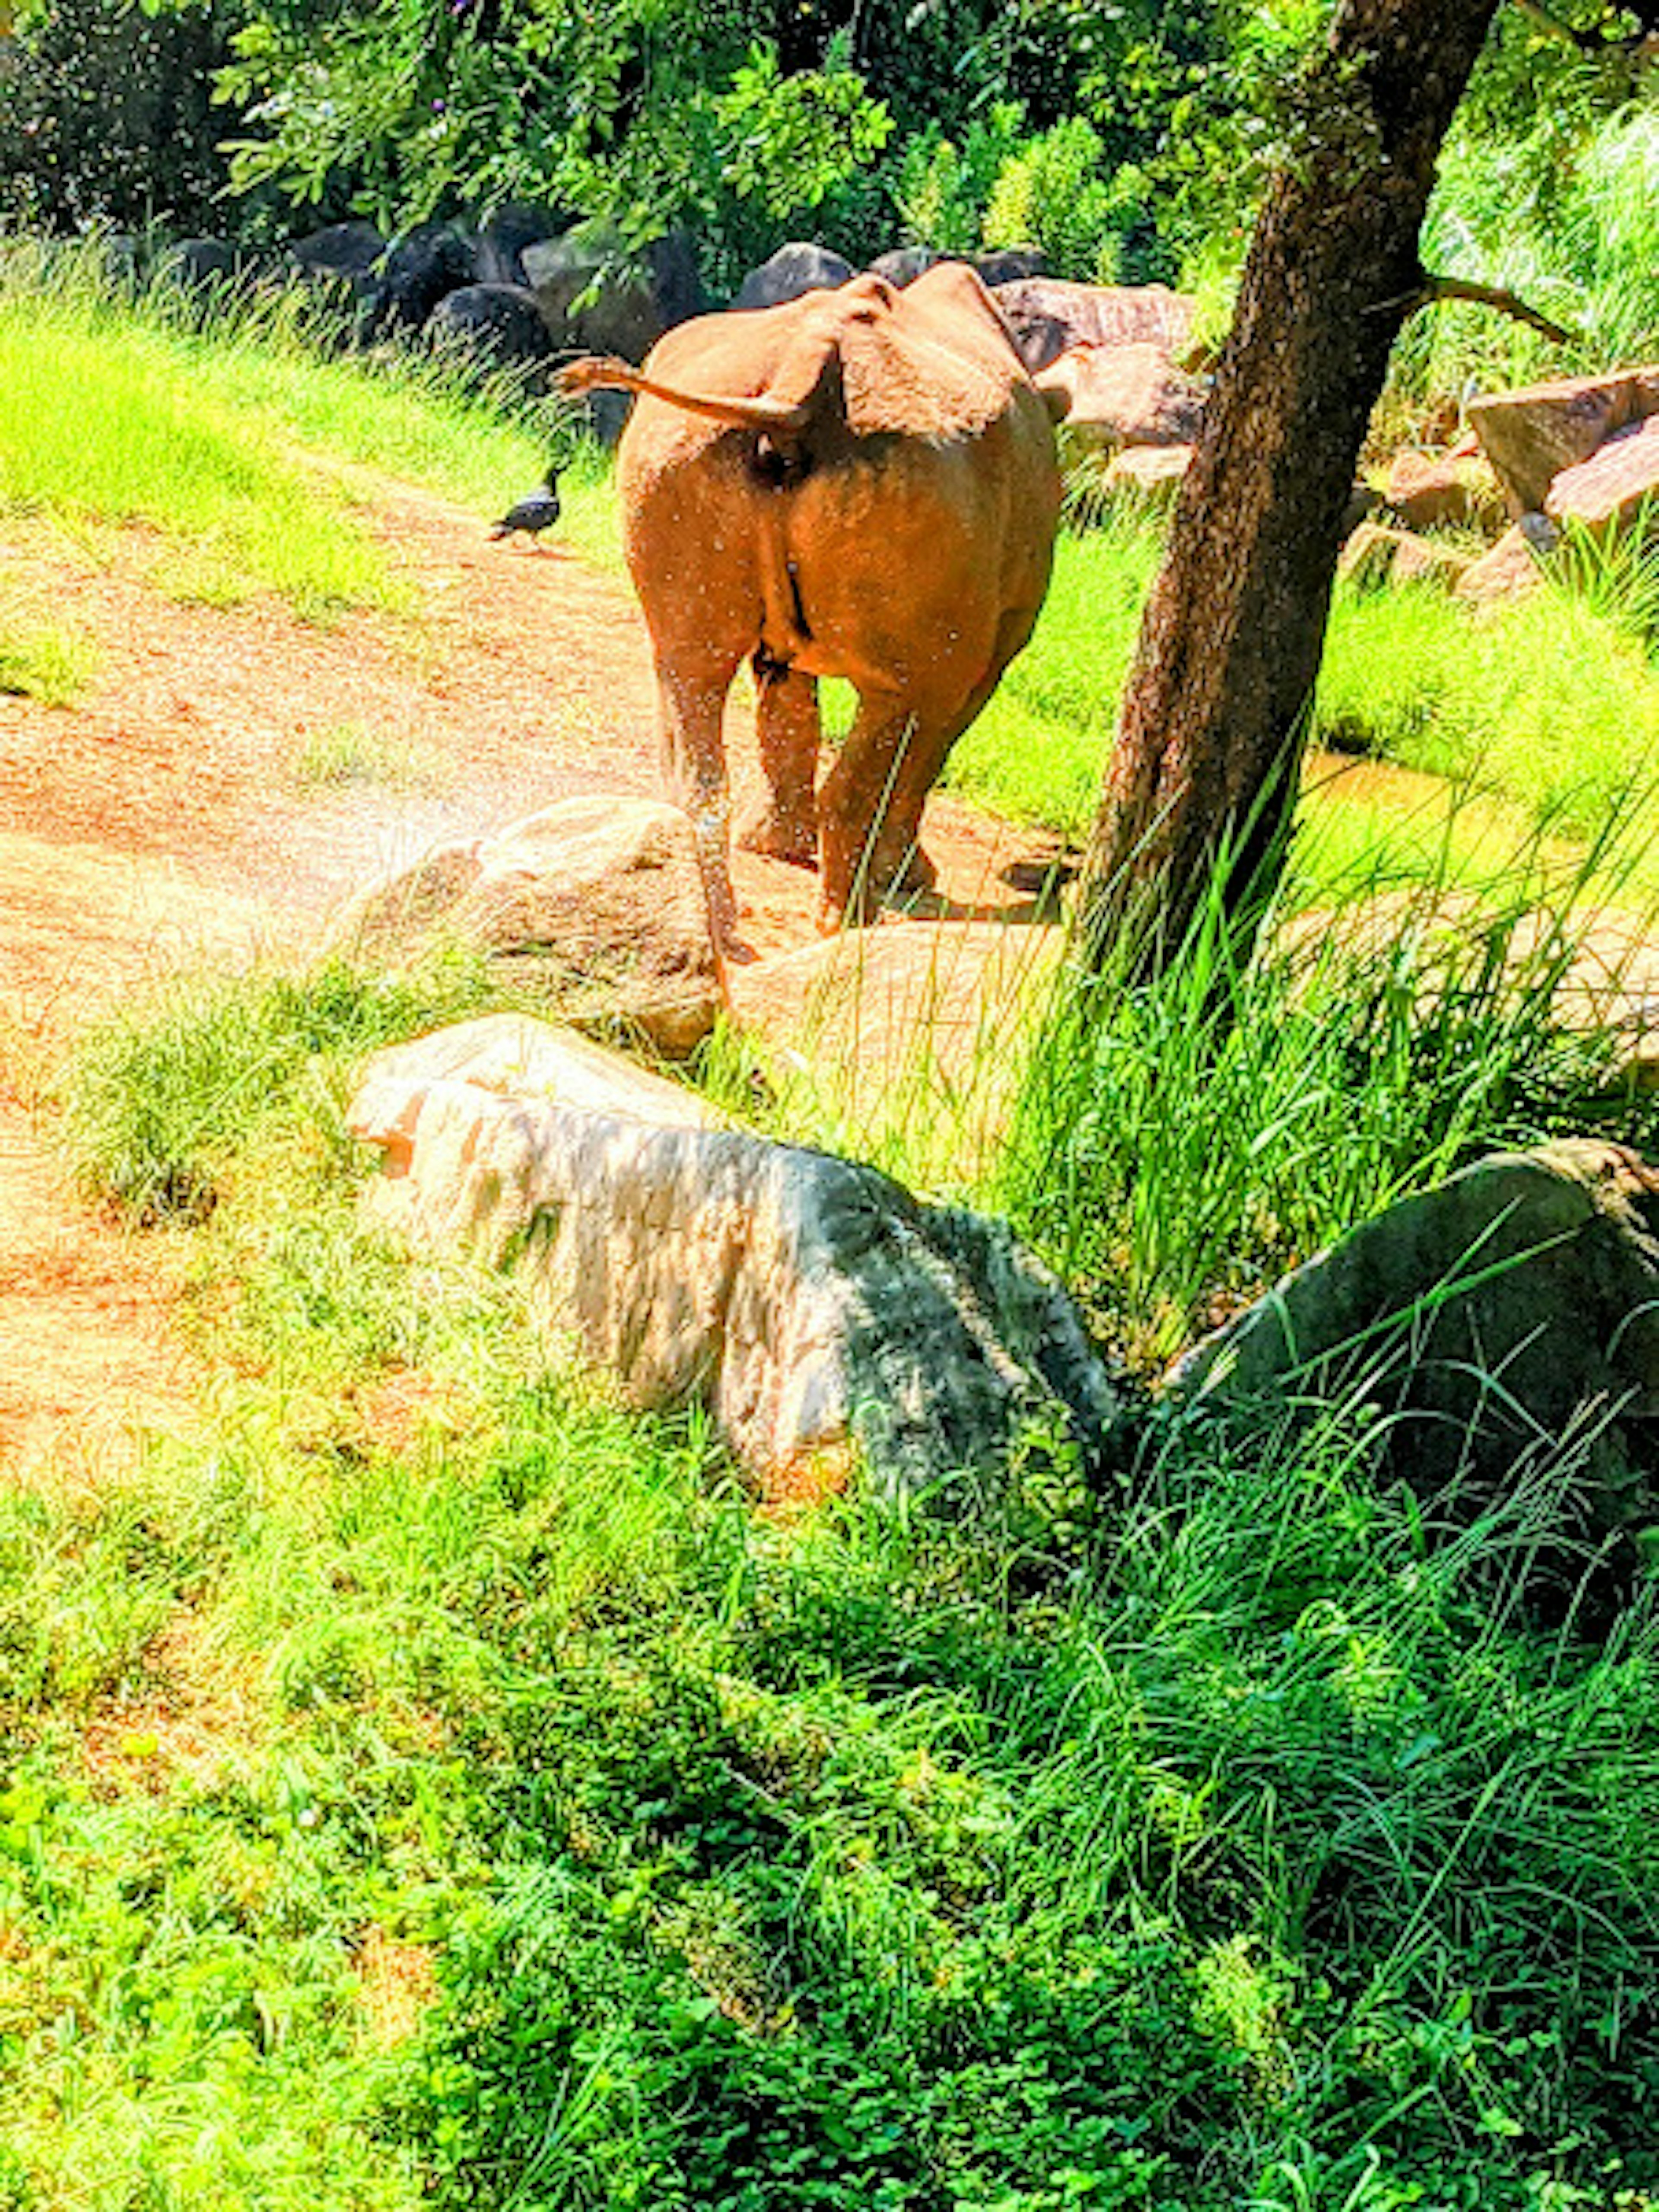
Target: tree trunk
{"points": [[1214, 723]]}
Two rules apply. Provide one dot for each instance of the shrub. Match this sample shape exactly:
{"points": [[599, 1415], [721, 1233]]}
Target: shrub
{"points": [[107, 115]]}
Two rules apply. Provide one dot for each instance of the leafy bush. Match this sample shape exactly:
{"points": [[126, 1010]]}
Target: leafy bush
{"points": [[1054, 193], [107, 114]]}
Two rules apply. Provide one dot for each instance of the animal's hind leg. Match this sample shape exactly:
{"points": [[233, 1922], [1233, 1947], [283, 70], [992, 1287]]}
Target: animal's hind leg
{"points": [[693, 702], [785, 822], [870, 812]]}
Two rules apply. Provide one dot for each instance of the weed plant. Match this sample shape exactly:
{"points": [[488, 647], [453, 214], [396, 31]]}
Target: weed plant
{"points": [[44, 661], [1181, 1142], [1233, 1840]]}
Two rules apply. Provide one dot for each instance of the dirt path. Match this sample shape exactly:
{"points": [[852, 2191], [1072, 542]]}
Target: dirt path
{"points": [[184, 810]]}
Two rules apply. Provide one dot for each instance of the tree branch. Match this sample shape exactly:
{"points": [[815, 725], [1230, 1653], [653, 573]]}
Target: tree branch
{"points": [[1434, 289]]}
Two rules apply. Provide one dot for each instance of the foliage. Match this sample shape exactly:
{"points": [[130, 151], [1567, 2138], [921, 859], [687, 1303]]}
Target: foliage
{"points": [[1055, 193], [161, 1100], [148, 442], [1182, 1142], [44, 660], [106, 114], [429, 1786]]}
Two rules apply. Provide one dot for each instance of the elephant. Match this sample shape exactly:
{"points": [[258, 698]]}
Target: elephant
{"points": [[859, 482]]}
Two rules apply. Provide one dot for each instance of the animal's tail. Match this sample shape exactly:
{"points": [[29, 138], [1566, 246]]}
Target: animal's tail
{"points": [[777, 416]]}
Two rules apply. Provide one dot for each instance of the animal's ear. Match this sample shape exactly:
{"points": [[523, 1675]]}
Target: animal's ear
{"points": [[1057, 398]]}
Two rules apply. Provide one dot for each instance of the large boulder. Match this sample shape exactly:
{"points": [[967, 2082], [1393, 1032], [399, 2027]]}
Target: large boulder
{"points": [[882, 1026], [1617, 487], [598, 298], [1509, 1311], [1130, 395], [1512, 569], [496, 326], [902, 265], [596, 901], [498, 249], [207, 265], [1047, 315], [1532, 435], [1147, 477], [795, 269], [342, 263], [820, 1312], [1002, 265]]}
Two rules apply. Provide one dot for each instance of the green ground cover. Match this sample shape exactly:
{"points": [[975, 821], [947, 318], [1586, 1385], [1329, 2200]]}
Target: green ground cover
{"points": [[1225, 1842], [1221, 1843]]}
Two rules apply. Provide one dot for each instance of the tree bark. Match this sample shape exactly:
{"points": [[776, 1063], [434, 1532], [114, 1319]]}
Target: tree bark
{"points": [[1206, 765]]}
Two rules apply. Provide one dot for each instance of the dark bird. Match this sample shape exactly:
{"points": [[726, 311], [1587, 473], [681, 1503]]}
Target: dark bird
{"points": [[532, 515]]}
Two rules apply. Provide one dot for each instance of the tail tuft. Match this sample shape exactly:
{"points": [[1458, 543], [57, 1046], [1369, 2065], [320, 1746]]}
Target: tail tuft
{"points": [[597, 371]]}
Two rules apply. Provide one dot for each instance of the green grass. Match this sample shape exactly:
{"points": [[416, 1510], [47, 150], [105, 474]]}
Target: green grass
{"points": [[210, 426], [1227, 1846], [1551, 708], [345, 753], [1181, 1142], [46, 661]]}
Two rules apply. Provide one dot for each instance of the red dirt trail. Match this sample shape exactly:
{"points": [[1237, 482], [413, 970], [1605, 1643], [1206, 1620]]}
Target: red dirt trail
{"points": [[167, 819]]}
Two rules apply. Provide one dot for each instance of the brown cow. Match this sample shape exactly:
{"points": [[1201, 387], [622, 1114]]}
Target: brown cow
{"points": [[860, 483]]}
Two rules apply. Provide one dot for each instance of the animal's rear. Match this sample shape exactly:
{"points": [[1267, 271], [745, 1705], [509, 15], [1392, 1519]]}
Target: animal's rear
{"points": [[832, 390]]}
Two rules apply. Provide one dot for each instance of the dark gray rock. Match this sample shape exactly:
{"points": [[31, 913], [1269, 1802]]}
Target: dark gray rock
{"points": [[204, 265], [1010, 264], [793, 269], [1488, 1319], [596, 298], [417, 271], [498, 249], [904, 264], [1006, 264], [341, 264], [497, 326]]}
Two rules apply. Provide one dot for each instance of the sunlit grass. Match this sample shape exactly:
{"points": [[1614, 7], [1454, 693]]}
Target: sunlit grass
{"points": [[44, 661]]}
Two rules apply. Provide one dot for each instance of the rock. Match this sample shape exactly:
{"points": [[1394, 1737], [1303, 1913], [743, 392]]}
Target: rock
{"points": [[1488, 1319], [207, 265], [904, 264], [819, 1312], [597, 298], [1363, 500], [1149, 475], [342, 261], [1129, 395], [497, 326], [1006, 264], [1532, 435], [1047, 315], [1511, 569], [1435, 491], [498, 249], [793, 269], [419, 270], [1010, 264], [1375, 556], [597, 901], [1615, 488], [888, 1022]]}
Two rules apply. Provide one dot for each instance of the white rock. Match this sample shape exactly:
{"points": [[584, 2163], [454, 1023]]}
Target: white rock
{"points": [[818, 1310]]}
